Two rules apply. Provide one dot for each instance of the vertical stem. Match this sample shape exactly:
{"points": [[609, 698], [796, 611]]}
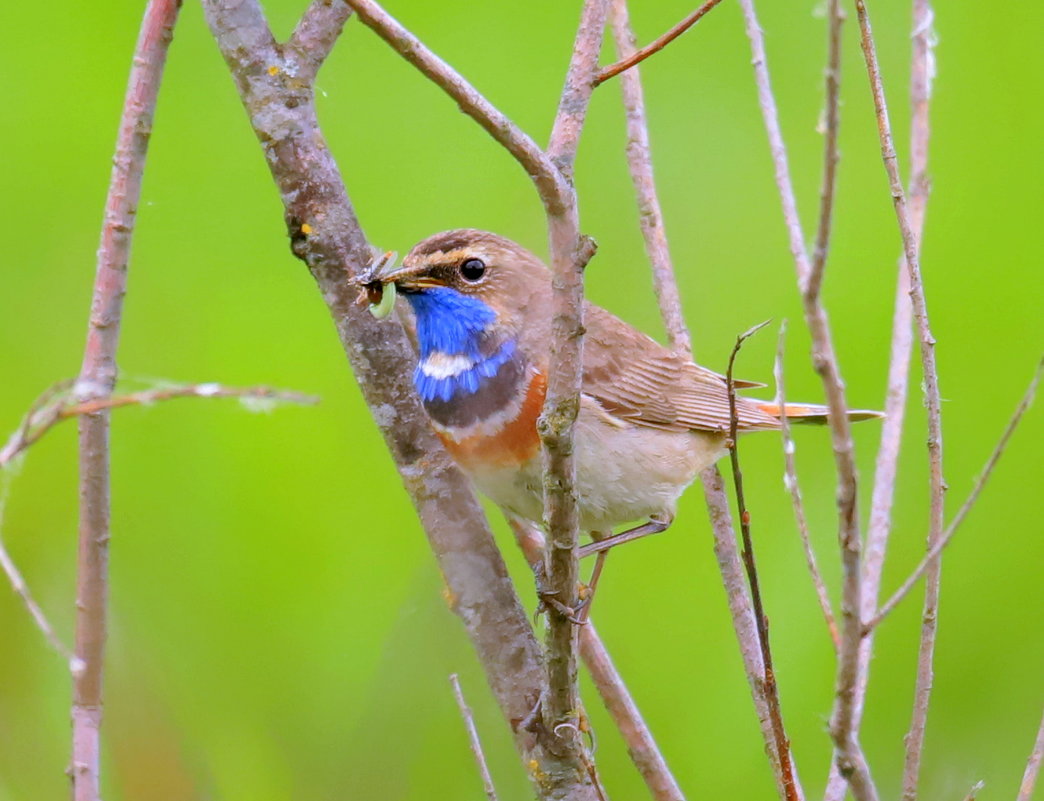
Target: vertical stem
{"points": [[885, 469], [641, 746], [97, 379], [561, 701], [779, 735]]}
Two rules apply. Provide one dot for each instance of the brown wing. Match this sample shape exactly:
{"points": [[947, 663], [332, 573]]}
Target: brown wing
{"points": [[635, 378]]}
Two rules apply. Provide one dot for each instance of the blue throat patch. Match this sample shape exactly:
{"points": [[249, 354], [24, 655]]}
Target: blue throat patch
{"points": [[452, 323], [449, 322]]}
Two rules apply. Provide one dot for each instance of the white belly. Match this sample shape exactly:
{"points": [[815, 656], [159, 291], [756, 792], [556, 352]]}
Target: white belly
{"points": [[625, 473]]}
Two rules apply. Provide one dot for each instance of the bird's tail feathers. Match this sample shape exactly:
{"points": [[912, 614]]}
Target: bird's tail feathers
{"points": [[813, 412]]}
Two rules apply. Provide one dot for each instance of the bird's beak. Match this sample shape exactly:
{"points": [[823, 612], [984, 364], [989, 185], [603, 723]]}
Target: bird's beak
{"points": [[406, 277]]}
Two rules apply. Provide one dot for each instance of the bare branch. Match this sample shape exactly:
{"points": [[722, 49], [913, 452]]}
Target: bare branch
{"points": [[743, 621], [637, 56], [553, 188], [314, 37], [561, 701], [50, 410], [639, 159], [567, 249], [1029, 777], [933, 553], [611, 687], [473, 738], [326, 235], [767, 101], [96, 381], [641, 745], [790, 479], [22, 589], [843, 729], [973, 793], [885, 469], [929, 620], [579, 84]]}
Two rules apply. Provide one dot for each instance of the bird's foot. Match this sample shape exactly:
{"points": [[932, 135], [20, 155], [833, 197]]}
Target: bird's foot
{"points": [[548, 600]]}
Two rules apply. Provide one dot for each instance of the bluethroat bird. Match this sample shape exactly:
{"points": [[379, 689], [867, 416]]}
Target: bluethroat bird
{"points": [[649, 419]]}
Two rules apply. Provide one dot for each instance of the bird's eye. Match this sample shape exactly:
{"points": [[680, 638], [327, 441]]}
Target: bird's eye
{"points": [[472, 269]]}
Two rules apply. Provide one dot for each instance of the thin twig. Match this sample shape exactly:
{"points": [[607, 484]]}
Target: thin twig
{"points": [[973, 793], [638, 56], [640, 163], [96, 381], [550, 172], [51, 408], [885, 469], [639, 159], [767, 102], [473, 738], [579, 84], [790, 479], [849, 753], [1029, 777], [743, 622], [832, 125], [929, 619], [933, 553], [43, 417], [749, 562], [22, 589]]}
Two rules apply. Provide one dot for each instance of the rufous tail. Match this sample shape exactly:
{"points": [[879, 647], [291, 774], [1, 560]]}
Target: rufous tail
{"points": [[813, 412]]}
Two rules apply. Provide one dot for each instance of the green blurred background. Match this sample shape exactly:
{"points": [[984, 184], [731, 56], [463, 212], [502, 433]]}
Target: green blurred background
{"points": [[277, 625]]}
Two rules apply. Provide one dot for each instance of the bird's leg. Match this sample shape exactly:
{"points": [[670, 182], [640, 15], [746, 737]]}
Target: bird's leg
{"points": [[587, 591], [654, 526]]}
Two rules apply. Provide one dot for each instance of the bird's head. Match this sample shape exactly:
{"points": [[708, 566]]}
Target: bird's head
{"points": [[466, 284]]}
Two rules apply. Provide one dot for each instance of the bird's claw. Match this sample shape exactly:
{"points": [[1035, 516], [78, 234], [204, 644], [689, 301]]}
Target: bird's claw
{"points": [[549, 601]]}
